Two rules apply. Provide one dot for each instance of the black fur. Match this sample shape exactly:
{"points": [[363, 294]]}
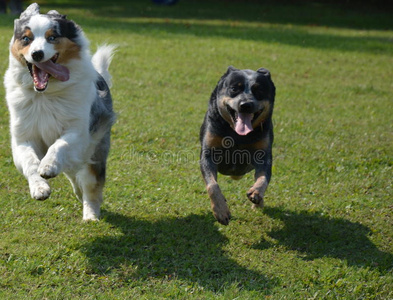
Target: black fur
{"points": [[67, 28], [102, 118]]}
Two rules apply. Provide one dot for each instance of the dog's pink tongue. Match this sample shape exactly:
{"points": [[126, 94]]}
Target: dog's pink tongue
{"points": [[58, 71], [243, 124]]}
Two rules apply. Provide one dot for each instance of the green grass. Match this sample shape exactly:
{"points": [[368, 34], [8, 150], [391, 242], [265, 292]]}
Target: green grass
{"points": [[327, 229]]}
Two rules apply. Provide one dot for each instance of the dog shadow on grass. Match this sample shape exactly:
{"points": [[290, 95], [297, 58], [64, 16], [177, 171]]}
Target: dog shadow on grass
{"points": [[189, 249], [315, 236]]}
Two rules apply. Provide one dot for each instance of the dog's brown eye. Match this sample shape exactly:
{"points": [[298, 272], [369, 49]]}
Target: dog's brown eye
{"points": [[236, 89], [233, 91]]}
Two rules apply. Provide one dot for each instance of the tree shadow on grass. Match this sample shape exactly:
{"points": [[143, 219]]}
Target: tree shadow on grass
{"points": [[275, 12], [187, 248], [145, 18], [318, 236]]}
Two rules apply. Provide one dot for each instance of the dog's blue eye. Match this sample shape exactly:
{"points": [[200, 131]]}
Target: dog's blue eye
{"points": [[26, 39], [51, 38]]}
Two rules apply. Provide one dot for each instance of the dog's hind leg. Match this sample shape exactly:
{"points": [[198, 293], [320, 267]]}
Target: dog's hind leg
{"points": [[91, 180], [75, 185]]}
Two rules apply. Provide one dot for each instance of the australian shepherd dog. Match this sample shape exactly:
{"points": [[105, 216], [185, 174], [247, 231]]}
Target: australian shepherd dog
{"points": [[60, 106]]}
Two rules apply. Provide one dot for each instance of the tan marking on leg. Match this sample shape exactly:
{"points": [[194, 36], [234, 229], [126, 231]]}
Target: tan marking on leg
{"points": [[260, 145], [218, 204], [212, 140], [99, 185]]}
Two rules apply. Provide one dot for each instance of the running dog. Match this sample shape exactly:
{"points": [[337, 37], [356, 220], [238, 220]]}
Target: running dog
{"points": [[237, 135], [60, 106]]}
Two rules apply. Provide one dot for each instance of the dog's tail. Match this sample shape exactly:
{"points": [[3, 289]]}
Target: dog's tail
{"points": [[101, 61]]}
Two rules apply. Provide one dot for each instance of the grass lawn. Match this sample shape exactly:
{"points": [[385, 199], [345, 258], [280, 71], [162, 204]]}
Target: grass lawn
{"points": [[327, 229]]}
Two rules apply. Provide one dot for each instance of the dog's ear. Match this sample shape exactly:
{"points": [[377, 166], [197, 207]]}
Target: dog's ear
{"points": [[220, 83], [222, 79], [231, 69], [31, 10], [264, 71], [68, 29], [56, 14], [16, 24]]}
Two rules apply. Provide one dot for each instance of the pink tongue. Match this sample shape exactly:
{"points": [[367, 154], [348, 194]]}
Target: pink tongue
{"points": [[243, 124], [58, 71]]}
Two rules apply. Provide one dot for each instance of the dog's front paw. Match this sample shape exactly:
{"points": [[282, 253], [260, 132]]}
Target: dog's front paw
{"points": [[221, 213], [255, 197], [40, 189], [48, 169], [218, 204]]}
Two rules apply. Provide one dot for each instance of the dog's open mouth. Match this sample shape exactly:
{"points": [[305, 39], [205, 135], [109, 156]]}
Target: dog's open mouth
{"points": [[244, 122], [42, 71]]}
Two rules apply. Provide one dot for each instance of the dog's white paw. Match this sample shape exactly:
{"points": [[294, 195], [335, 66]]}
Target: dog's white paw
{"points": [[89, 215], [91, 210], [48, 169], [40, 190], [91, 218]]}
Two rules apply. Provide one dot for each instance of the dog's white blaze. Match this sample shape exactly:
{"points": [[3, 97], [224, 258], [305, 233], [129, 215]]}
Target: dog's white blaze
{"points": [[39, 25]]}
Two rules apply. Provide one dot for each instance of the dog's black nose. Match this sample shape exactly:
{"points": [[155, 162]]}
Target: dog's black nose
{"points": [[246, 107], [38, 55]]}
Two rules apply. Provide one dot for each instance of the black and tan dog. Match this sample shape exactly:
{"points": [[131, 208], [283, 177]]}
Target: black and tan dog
{"points": [[237, 135]]}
